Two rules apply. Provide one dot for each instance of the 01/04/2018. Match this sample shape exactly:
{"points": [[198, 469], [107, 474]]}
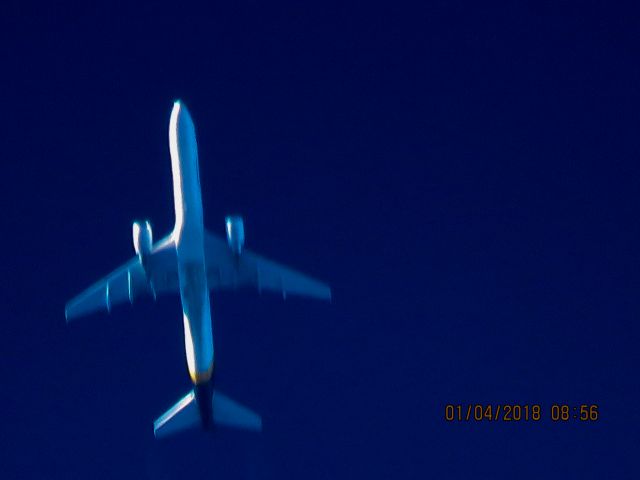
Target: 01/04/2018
{"points": [[517, 413]]}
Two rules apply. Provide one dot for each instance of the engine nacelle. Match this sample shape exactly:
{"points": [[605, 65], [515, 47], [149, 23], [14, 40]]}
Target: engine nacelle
{"points": [[142, 238], [235, 233]]}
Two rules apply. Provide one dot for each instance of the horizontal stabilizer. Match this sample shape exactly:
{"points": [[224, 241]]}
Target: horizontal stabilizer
{"points": [[185, 415], [182, 416], [229, 413]]}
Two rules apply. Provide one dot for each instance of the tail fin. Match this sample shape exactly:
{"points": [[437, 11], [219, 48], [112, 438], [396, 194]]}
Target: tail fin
{"points": [[185, 415]]}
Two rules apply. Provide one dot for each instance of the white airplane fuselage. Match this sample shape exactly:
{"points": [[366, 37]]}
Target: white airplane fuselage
{"points": [[188, 237]]}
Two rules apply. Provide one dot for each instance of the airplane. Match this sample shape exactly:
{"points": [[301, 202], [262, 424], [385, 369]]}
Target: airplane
{"points": [[193, 261]]}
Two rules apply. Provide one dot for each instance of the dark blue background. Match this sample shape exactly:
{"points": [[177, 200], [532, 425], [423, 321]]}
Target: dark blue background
{"points": [[465, 177]]}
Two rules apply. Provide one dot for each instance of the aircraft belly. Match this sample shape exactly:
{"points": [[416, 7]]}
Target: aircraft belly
{"points": [[197, 321]]}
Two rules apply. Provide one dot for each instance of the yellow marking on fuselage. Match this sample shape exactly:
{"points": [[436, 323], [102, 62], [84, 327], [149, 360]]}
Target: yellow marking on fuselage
{"points": [[201, 377]]}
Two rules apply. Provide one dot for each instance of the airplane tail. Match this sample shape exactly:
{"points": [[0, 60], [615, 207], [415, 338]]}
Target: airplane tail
{"points": [[186, 414]]}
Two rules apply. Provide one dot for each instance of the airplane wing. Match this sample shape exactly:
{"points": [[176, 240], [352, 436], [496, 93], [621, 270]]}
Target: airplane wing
{"points": [[129, 282], [226, 271]]}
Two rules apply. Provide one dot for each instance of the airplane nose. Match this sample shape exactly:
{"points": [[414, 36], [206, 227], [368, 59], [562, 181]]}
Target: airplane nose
{"points": [[185, 123], [181, 122]]}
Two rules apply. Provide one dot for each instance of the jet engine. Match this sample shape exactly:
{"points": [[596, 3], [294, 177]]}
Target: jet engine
{"points": [[142, 238], [235, 233]]}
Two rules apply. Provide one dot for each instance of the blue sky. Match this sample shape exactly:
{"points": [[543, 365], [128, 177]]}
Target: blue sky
{"points": [[464, 177]]}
